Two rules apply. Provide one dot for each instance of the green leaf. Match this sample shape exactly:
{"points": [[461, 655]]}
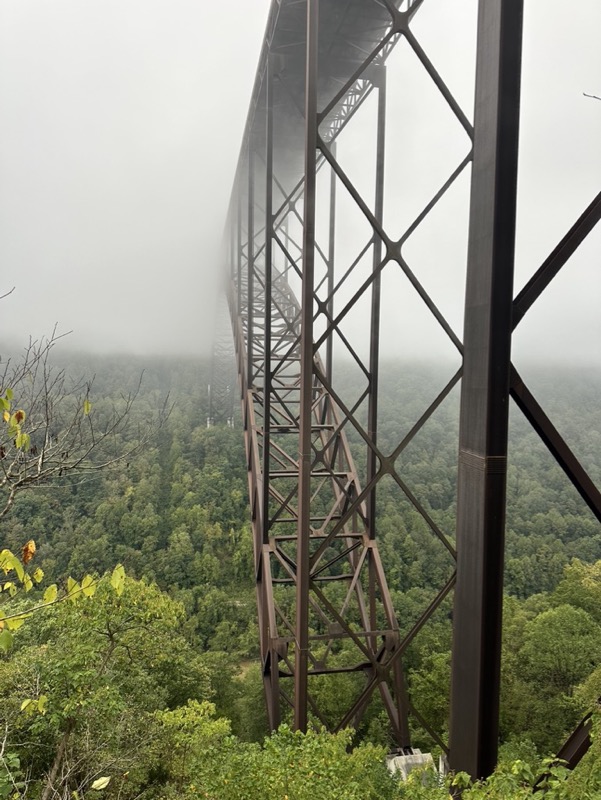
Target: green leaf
{"points": [[10, 587], [42, 703], [38, 575], [26, 703], [22, 441], [88, 586], [101, 783], [27, 583], [18, 568], [73, 588], [87, 407], [4, 404], [9, 561], [14, 623], [118, 579], [6, 641], [50, 594], [9, 394]]}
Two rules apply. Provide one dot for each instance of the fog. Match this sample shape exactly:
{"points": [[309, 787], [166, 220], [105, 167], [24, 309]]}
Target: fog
{"points": [[121, 127]]}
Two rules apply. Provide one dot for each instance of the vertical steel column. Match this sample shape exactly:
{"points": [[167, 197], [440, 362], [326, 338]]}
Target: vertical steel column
{"points": [[378, 79], [273, 698], [273, 695], [251, 264], [400, 699], [306, 370], [485, 392], [331, 258], [267, 309], [374, 345]]}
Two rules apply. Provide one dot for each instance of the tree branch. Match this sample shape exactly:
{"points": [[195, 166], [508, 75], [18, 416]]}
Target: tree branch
{"points": [[66, 434]]}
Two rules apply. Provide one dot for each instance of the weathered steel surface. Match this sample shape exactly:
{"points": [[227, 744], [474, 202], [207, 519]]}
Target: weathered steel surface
{"points": [[484, 414], [323, 601]]}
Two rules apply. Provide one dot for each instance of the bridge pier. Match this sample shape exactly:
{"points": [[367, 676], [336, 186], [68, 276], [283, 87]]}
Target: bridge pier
{"points": [[484, 412]]}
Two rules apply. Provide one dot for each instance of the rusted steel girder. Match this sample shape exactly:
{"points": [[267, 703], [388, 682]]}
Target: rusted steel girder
{"points": [[489, 379], [484, 414]]}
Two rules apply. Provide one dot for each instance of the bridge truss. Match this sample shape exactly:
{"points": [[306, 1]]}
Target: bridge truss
{"points": [[315, 464]]}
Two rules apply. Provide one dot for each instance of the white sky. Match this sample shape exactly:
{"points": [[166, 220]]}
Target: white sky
{"points": [[121, 126]]}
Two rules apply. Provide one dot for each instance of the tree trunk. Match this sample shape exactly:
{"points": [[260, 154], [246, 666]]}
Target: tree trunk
{"points": [[58, 760]]}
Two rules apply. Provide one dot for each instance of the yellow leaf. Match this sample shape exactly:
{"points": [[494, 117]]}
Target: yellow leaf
{"points": [[28, 551], [118, 579], [16, 622], [50, 594], [73, 588], [8, 562], [87, 407], [6, 416], [5, 556], [88, 586]]}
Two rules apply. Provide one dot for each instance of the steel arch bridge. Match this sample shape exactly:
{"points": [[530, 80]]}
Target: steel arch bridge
{"points": [[324, 605]]}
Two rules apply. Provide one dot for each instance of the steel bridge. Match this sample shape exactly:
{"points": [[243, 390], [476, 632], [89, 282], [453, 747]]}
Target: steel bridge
{"points": [[324, 604]]}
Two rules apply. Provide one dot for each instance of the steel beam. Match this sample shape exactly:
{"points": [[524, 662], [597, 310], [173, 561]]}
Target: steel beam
{"points": [[250, 273], [303, 566], [485, 392], [557, 259], [374, 354]]}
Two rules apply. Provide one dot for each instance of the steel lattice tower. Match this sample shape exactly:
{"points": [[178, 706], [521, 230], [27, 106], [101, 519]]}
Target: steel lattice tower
{"points": [[323, 599]]}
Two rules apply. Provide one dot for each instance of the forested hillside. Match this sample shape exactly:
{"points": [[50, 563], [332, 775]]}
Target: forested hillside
{"points": [[155, 684]]}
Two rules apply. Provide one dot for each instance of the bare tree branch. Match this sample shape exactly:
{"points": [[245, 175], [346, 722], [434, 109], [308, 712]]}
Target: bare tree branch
{"points": [[594, 96], [6, 294], [67, 434]]}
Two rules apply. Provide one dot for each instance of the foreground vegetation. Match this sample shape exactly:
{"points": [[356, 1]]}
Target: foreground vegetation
{"points": [[154, 690]]}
